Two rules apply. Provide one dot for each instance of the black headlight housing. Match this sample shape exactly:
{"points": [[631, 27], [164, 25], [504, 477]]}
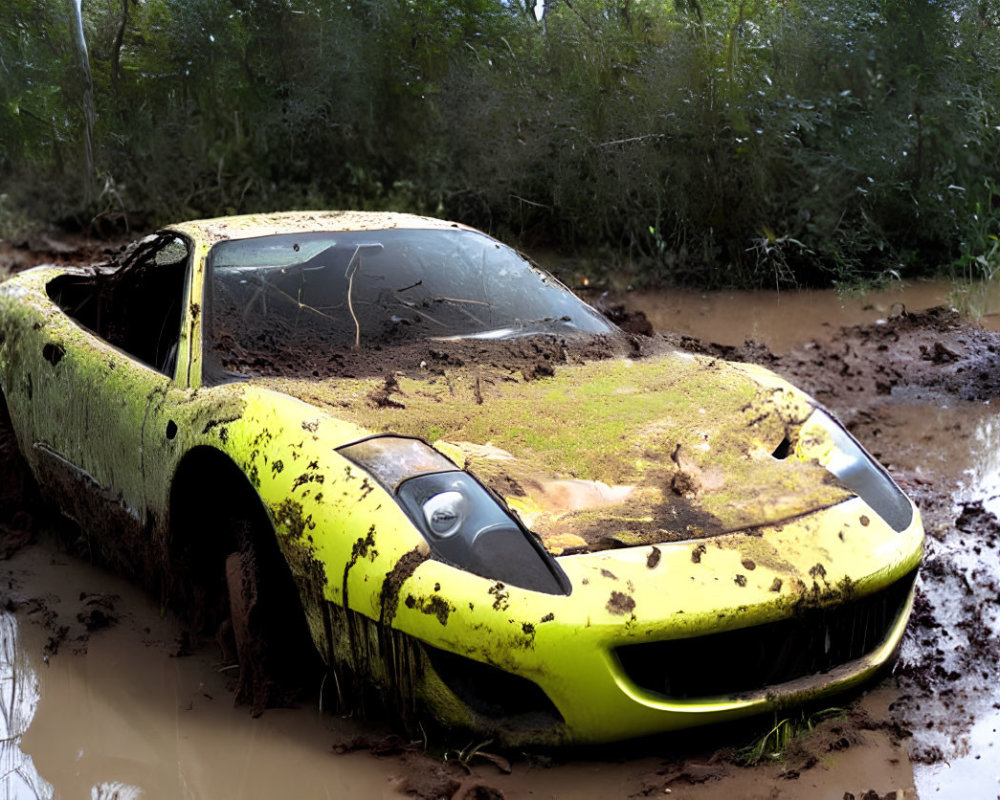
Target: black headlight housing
{"points": [[463, 522], [862, 474]]}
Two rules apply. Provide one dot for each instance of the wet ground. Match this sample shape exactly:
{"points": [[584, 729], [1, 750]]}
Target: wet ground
{"points": [[100, 697]]}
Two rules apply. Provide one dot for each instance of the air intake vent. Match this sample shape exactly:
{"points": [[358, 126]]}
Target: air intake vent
{"points": [[725, 664]]}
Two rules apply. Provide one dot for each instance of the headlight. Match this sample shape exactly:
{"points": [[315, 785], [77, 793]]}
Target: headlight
{"points": [[393, 459], [463, 523], [862, 474], [445, 513]]}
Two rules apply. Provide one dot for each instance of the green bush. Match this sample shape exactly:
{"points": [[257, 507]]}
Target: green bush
{"points": [[703, 142]]}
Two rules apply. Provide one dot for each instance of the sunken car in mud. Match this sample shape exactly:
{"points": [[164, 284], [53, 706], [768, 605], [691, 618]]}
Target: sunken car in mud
{"points": [[396, 441]]}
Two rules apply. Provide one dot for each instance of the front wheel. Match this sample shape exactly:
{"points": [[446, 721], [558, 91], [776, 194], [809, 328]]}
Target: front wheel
{"points": [[277, 659], [228, 578]]}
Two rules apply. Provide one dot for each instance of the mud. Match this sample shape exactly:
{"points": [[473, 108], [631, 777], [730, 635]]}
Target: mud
{"points": [[784, 320], [54, 248], [672, 458], [393, 583], [134, 718], [297, 353], [919, 390], [928, 355]]}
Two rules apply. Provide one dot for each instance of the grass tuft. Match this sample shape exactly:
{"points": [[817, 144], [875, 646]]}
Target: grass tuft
{"points": [[774, 744]]}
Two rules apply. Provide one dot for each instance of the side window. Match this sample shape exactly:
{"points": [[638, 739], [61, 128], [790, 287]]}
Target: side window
{"points": [[134, 304]]}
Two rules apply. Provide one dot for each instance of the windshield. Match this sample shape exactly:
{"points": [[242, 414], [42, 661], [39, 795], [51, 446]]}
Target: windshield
{"points": [[278, 305]]}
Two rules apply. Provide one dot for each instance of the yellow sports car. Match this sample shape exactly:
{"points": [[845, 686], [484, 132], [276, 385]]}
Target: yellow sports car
{"points": [[394, 442]]}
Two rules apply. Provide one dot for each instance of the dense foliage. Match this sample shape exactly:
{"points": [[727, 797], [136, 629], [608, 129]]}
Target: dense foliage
{"points": [[747, 142]]}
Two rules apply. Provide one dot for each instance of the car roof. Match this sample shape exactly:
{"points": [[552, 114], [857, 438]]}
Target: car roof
{"points": [[249, 226]]}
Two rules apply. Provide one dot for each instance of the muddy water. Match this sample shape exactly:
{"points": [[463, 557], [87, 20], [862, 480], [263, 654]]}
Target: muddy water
{"points": [[784, 319], [116, 712], [956, 718]]}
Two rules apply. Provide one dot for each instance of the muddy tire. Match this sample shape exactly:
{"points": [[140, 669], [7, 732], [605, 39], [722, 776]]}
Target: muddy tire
{"points": [[229, 581], [275, 652]]}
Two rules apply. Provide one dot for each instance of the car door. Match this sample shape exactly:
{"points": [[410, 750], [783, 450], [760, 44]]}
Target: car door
{"points": [[109, 367]]}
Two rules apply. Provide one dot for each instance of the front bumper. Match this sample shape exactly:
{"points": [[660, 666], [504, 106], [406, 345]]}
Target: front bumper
{"points": [[678, 595]]}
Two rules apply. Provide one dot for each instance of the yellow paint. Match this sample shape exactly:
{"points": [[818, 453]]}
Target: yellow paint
{"points": [[660, 432]]}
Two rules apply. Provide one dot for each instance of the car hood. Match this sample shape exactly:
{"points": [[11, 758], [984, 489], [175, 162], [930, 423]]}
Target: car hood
{"points": [[609, 453]]}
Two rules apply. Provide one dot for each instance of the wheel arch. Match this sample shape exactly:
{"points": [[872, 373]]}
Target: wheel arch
{"points": [[206, 488], [208, 494], [203, 466]]}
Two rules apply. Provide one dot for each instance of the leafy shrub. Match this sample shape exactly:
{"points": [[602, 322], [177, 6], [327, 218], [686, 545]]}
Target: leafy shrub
{"points": [[699, 141]]}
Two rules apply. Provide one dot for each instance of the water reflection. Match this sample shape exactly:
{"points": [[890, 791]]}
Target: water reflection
{"points": [[115, 790], [982, 478], [19, 696]]}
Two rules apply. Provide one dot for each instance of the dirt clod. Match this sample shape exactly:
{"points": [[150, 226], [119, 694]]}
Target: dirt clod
{"points": [[621, 604], [98, 610], [634, 322], [480, 791]]}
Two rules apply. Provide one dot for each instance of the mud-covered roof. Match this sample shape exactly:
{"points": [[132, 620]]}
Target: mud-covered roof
{"points": [[248, 226]]}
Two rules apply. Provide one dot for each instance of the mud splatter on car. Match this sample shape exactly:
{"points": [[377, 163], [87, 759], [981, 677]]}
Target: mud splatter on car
{"points": [[483, 452]]}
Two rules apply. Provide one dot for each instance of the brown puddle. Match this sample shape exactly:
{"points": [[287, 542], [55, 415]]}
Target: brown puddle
{"points": [[115, 714], [782, 320]]}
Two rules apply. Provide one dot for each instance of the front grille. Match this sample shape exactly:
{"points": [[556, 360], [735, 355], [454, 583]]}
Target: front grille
{"points": [[724, 664]]}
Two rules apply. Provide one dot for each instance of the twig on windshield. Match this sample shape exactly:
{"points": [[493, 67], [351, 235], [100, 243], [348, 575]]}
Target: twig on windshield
{"points": [[349, 274], [420, 313]]}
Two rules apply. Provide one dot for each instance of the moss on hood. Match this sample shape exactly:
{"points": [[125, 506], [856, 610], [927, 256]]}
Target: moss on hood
{"points": [[608, 453]]}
